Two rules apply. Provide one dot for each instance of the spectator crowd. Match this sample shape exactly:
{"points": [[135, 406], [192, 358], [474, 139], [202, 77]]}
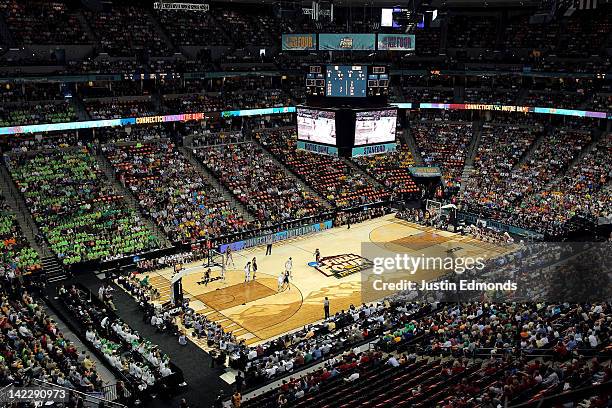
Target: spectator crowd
{"points": [[79, 213], [256, 180]]}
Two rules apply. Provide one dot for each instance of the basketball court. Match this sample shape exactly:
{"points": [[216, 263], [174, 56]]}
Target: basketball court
{"points": [[257, 311]]}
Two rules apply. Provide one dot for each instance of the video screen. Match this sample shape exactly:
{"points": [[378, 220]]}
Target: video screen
{"points": [[375, 127], [317, 126], [386, 17], [346, 81]]}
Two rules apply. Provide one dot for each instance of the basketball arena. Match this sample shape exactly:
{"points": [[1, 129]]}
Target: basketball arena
{"points": [[279, 204]]}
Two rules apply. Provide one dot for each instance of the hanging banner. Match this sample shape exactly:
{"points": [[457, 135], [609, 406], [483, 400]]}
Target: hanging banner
{"points": [[299, 42], [347, 42], [396, 42]]}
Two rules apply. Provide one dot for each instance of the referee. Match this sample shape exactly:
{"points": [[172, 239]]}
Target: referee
{"points": [[326, 307]]}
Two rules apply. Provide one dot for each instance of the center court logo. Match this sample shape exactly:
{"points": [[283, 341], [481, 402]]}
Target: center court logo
{"points": [[343, 265]]}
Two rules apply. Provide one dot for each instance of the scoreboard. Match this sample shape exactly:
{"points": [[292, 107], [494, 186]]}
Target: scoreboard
{"points": [[315, 80], [346, 81], [347, 112], [378, 81]]}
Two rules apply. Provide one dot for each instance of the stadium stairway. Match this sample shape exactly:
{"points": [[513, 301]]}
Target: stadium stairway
{"points": [[409, 141], [106, 167], [459, 94], [289, 174], [502, 23], [215, 183], [162, 32], [79, 108], [156, 99], [534, 146], [5, 33], [53, 269], [468, 167], [523, 92], [395, 93], [51, 265], [13, 199], [596, 135], [443, 35], [468, 170], [85, 26], [223, 28], [357, 169], [474, 143]]}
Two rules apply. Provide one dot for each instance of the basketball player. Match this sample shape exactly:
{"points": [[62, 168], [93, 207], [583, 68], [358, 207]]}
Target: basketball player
{"points": [[229, 257], [281, 281], [206, 277], [286, 281], [254, 267], [247, 272], [317, 255], [223, 271], [288, 267]]}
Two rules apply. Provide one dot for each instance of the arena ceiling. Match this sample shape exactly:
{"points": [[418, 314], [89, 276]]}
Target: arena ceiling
{"points": [[385, 3]]}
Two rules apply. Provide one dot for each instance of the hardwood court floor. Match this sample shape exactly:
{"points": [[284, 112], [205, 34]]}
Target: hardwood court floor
{"points": [[238, 294], [256, 311], [421, 240]]}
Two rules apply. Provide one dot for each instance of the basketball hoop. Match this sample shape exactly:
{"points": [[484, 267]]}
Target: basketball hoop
{"points": [[434, 208], [214, 259]]}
